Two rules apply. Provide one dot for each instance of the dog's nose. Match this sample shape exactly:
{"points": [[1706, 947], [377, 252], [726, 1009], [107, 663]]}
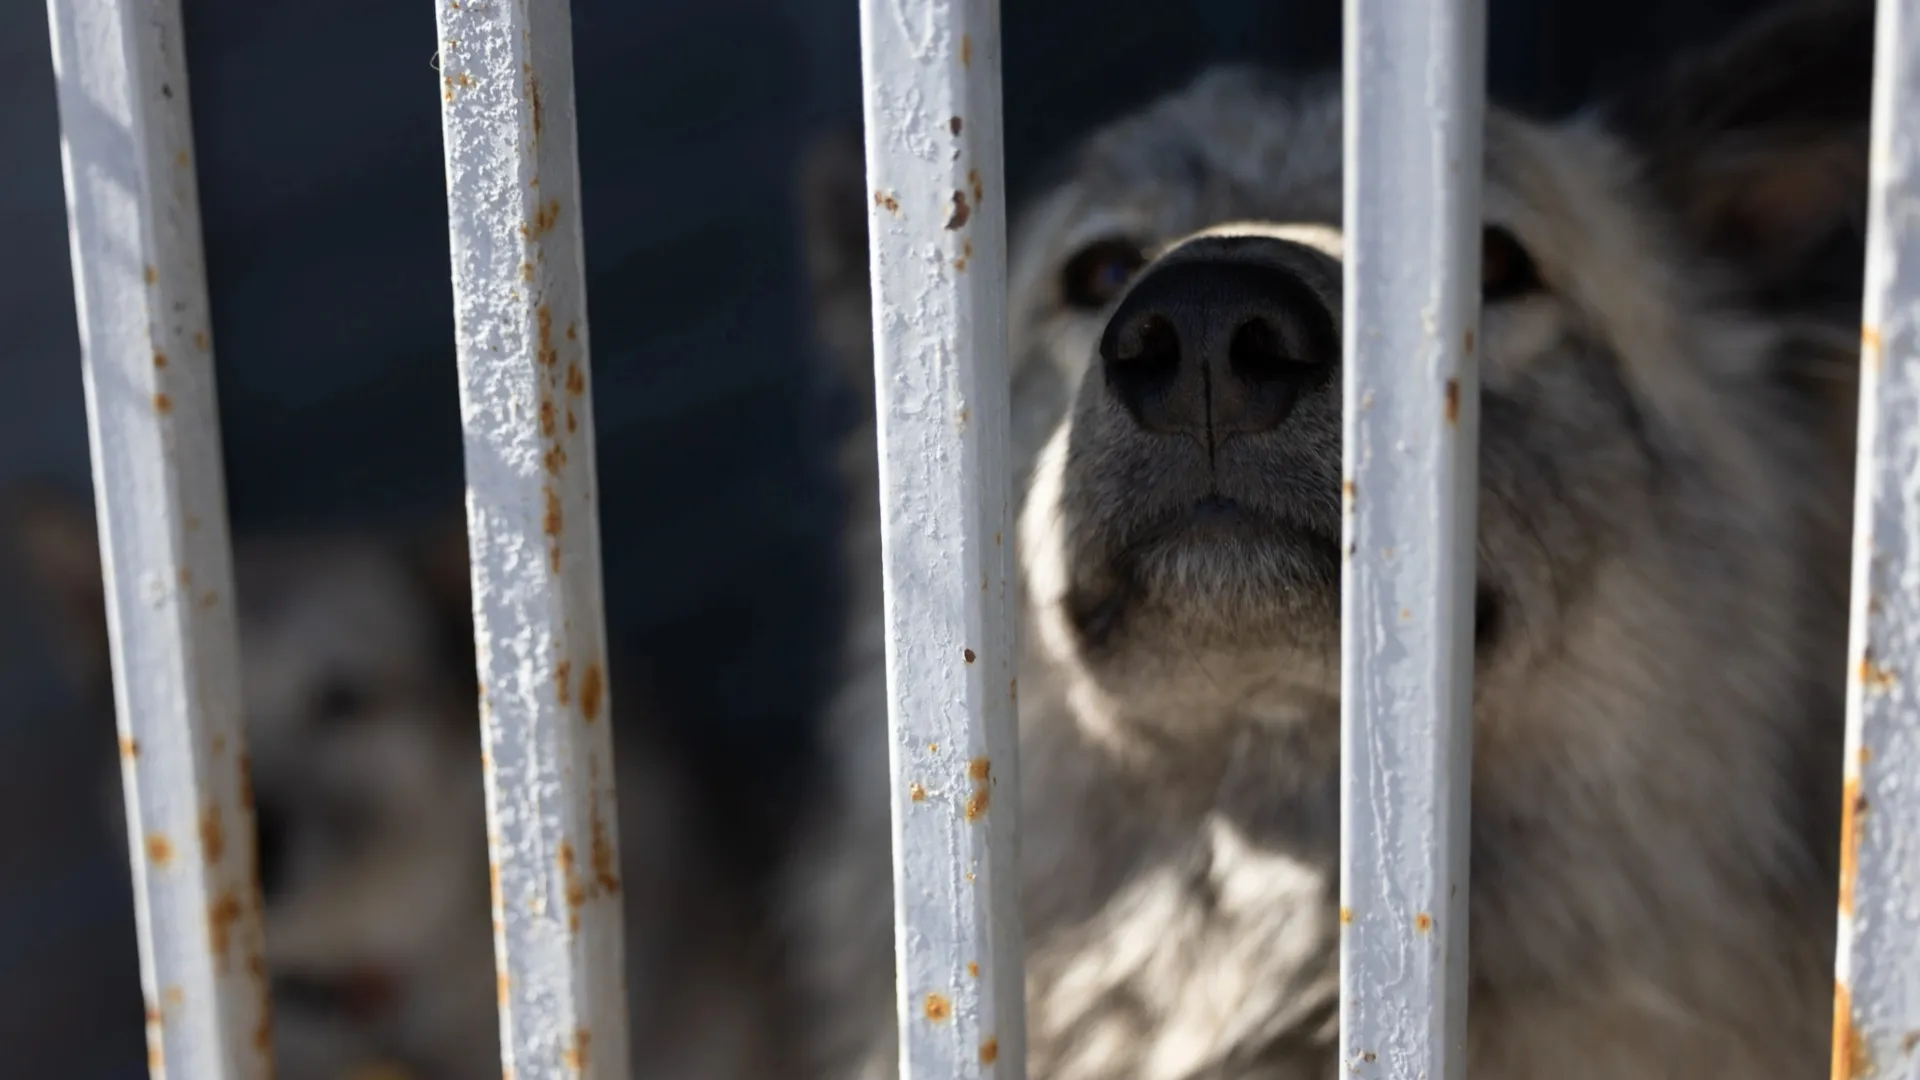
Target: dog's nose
{"points": [[1223, 336]]}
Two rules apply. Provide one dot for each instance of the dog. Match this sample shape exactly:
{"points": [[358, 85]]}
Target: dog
{"points": [[360, 703], [1668, 350]]}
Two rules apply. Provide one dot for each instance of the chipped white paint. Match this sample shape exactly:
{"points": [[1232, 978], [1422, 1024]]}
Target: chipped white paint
{"points": [[1877, 1014], [1415, 93], [513, 199], [141, 294], [932, 73]]}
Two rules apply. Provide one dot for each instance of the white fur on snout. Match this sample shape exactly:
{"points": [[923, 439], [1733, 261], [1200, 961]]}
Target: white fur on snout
{"points": [[1042, 543], [1325, 239]]}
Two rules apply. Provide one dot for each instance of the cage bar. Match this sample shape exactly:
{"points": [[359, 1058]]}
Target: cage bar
{"points": [[938, 227], [160, 494], [1415, 86], [1877, 967], [520, 313]]}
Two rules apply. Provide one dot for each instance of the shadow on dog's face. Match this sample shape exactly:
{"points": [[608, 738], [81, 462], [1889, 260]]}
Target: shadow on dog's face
{"points": [[363, 741]]}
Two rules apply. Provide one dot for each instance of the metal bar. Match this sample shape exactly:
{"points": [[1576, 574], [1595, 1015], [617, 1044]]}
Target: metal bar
{"points": [[1415, 87], [519, 285], [153, 426], [932, 78], [1876, 1009]]}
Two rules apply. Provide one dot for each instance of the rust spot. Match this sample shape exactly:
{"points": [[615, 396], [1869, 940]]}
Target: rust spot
{"points": [[973, 969], [576, 380], [562, 676], [989, 1051], [1850, 1058], [548, 355], [446, 88], [263, 1031], [937, 1008], [159, 849], [554, 520], [213, 838], [604, 873], [544, 219], [526, 271], [572, 425], [151, 275], [966, 51], [546, 419], [1453, 401], [573, 332], [1422, 922], [1349, 491], [200, 340], [129, 747], [180, 159], [916, 793], [966, 256], [954, 125], [553, 558], [246, 782], [968, 654], [162, 404], [977, 804], [979, 770], [886, 199], [159, 360], [533, 92], [961, 211], [973, 183], [576, 892], [1909, 1041], [592, 690], [1466, 343], [464, 80], [1870, 345], [575, 1056], [1875, 677], [1346, 916], [222, 914], [1853, 807], [501, 987], [555, 459]]}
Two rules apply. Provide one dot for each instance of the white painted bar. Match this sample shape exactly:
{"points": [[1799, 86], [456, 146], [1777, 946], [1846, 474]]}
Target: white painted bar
{"points": [[147, 360], [1415, 91], [938, 228], [1877, 968], [519, 283]]}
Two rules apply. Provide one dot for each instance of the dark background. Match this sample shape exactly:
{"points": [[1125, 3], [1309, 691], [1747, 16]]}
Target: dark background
{"points": [[318, 142]]}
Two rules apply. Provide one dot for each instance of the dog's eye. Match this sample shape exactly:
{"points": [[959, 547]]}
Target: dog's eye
{"points": [[1097, 272], [1507, 272], [339, 700]]}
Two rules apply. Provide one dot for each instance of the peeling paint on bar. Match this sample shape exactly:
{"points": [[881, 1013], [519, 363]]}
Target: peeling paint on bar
{"points": [[513, 198], [1415, 94], [1876, 1013], [933, 123], [141, 294]]}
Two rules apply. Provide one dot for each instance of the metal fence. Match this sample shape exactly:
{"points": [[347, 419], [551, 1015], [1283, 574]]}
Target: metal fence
{"points": [[1415, 89]]}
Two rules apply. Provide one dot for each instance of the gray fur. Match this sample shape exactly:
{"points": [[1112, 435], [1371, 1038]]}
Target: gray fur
{"points": [[1665, 493]]}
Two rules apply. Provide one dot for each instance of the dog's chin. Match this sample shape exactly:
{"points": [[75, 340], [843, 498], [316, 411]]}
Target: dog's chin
{"points": [[1218, 573]]}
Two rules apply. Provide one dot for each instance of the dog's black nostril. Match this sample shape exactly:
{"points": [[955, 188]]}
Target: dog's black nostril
{"points": [[1149, 346], [1255, 352]]}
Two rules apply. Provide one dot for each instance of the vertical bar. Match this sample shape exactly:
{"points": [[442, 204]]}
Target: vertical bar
{"points": [[1876, 1012], [932, 78], [519, 287], [140, 289], [1415, 86]]}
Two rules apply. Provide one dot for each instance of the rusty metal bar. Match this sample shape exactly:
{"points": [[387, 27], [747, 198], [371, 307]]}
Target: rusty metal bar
{"points": [[519, 282], [1415, 93], [933, 123], [1876, 1013], [153, 426]]}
